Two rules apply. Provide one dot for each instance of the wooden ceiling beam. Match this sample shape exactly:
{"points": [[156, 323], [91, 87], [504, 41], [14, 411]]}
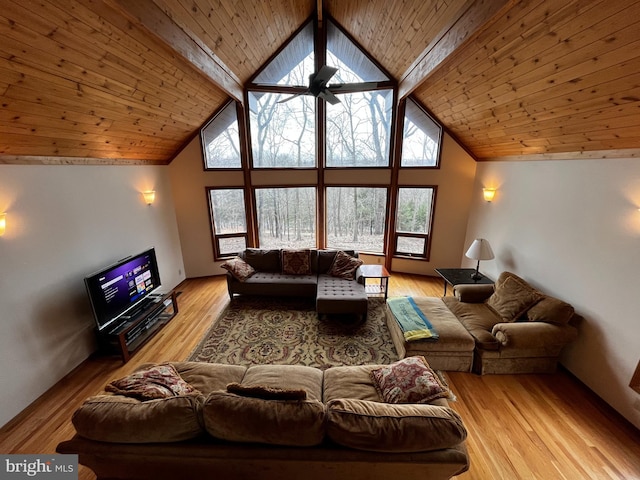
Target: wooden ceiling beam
{"points": [[147, 15], [472, 19]]}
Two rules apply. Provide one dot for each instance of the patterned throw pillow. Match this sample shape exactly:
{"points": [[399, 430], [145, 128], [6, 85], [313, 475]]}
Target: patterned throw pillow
{"points": [[296, 262], [238, 268], [409, 380], [344, 266], [158, 381]]}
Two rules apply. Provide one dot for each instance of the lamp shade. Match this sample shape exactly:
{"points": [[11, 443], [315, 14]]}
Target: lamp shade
{"points": [[480, 250]]}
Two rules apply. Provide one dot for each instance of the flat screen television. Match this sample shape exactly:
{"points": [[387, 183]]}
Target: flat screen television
{"points": [[119, 291]]}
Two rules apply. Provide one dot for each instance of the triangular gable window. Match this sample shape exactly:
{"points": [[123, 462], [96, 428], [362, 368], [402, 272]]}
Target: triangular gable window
{"points": [[221, 139], [421, 138], [293, 65]]}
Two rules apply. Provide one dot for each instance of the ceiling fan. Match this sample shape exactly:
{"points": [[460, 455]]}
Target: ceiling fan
{"points": [[319, 88]]}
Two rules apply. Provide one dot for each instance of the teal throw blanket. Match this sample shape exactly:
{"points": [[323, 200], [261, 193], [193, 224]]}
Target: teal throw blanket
{"points": [[414, 325]]}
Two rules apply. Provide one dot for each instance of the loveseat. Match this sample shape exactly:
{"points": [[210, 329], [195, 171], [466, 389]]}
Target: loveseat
{"points": [[274, 422], [516, 327], [509, 327], [331, 277]]}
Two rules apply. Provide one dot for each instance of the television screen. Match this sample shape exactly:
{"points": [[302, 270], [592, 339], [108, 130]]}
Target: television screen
{"points": [[123, 287]]}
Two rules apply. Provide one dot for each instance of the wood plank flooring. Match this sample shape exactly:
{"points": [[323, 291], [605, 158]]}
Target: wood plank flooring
{"points": [[520, 426]]}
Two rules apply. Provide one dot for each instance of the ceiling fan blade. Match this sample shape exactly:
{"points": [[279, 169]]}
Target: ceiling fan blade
{"points": [[351, 87], [284, 100], [329, 97], [323, 75]]}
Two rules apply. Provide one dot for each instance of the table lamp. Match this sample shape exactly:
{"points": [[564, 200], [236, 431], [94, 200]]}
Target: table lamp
{"points": [[479, 250]]}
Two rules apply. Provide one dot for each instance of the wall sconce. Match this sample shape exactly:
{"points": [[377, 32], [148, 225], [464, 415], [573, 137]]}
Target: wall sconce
{"points": [[149, 196], [488, 193], [3, 223]]}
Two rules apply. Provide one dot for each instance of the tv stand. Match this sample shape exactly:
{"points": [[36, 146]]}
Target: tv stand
{"points": [[137, 328]]}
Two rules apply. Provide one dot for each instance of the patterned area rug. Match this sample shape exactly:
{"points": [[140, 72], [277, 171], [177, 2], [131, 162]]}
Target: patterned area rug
{"points": [[253, 330]]}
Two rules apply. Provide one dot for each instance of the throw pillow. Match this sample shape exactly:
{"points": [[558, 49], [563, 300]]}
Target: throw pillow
{"points": [[551, 310], [344, 266], [409, 380], [240, 269], [266, 393], [296, 262], [512, 298], [158, 381]]}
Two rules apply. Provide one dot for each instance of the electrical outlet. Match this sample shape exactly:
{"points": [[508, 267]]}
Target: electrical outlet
{"points": [[179, 271]]}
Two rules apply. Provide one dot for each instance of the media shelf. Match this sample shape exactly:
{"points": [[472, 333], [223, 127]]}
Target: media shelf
{"points": [[137, 329]]}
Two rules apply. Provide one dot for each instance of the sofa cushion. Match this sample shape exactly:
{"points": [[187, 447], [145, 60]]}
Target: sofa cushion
{"points": [[119, 419], [275, 422], [238, 268], [551, 310], [207, 377], [352, 381], [381, 427], [263, 260], [512, 297], [478, 319], [344, 266], [409, 380], [151, 382], [296, 262]]}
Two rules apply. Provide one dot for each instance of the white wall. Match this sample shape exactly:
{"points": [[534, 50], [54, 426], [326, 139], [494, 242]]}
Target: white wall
{"points": [[572, 228], [454, 179], [63, 223]]}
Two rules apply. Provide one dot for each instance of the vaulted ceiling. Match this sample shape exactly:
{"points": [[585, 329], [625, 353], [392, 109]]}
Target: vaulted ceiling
{"points": [[131, 81]]}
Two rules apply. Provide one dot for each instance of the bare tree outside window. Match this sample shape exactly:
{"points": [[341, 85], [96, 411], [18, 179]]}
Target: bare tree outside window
{"points": [[286, 217], [356, 218]]}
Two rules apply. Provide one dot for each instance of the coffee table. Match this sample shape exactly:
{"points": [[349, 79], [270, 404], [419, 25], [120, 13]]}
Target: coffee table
{"points": [[461, 276]]}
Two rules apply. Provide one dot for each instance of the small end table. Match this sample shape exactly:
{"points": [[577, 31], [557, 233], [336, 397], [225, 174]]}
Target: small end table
{"points": [[461, 276], [377, 272]]}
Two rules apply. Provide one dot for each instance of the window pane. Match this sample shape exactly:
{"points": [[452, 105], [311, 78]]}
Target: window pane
{"points": [[227, 207], [282, 134], [356, 218], [231, 245], [414, 210], [286, 217], [221, 139], [358, 129], [421, 139], [411, 245]]}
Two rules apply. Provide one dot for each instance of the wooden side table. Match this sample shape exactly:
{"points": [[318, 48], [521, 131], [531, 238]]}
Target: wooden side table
{"points": [[461, 276], [378, 272]]}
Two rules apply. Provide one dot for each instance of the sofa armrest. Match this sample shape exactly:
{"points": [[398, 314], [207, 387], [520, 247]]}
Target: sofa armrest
{"points": [[533, 334], [472, 293]]}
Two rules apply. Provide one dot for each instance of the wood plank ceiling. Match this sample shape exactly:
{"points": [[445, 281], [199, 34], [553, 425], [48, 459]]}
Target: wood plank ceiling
{"points": [[130, 81]]}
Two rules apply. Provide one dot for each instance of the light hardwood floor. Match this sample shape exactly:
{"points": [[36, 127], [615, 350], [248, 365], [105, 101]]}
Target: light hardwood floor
{"points": [[520, 426]]}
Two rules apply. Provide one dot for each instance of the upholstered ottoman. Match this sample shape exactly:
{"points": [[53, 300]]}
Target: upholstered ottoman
{"points": [[453, 351], [340, 296]]}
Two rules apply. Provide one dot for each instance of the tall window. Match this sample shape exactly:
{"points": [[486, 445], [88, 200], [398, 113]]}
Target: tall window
{"points": [[228, 220], [221, 139], [282, 134], [286, 217], [414, 217], [356, 218]]}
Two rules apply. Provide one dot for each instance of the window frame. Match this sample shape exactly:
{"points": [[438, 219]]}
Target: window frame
{"points": [[239, 116], [402, 113], [426, 252], [215, 237]]}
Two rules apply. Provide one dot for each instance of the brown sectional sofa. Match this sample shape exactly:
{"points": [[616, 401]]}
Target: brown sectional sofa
{"points": [[509, 327], [333, 295], [341, 430]]}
